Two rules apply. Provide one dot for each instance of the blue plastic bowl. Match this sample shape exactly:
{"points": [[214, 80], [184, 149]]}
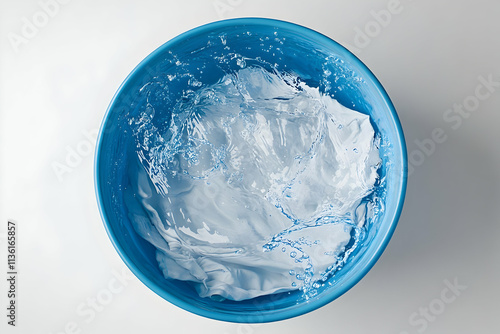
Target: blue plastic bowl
{"points": [[287, 47]]}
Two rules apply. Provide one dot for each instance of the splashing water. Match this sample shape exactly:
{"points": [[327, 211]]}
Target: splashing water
{"points": [[260, 184]]}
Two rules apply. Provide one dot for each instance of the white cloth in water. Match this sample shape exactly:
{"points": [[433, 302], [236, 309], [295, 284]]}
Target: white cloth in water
{"points": [[256, 156]]}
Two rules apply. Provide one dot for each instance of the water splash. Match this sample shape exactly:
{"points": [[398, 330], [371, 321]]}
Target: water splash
{"points": [[254, 178]]}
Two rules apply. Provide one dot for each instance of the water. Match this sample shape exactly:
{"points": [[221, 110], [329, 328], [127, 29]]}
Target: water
{"points": [[260, 184]]}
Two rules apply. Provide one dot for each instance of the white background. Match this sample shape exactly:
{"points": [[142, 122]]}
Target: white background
{"points": [[56, 84]]}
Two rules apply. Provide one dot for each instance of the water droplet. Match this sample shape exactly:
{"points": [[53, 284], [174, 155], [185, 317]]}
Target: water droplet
{"points": [[293, 254], [241, 63], [223, 39]]}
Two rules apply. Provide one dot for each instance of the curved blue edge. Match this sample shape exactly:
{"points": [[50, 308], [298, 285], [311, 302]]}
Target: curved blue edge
{"points": [[307, 306]]}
